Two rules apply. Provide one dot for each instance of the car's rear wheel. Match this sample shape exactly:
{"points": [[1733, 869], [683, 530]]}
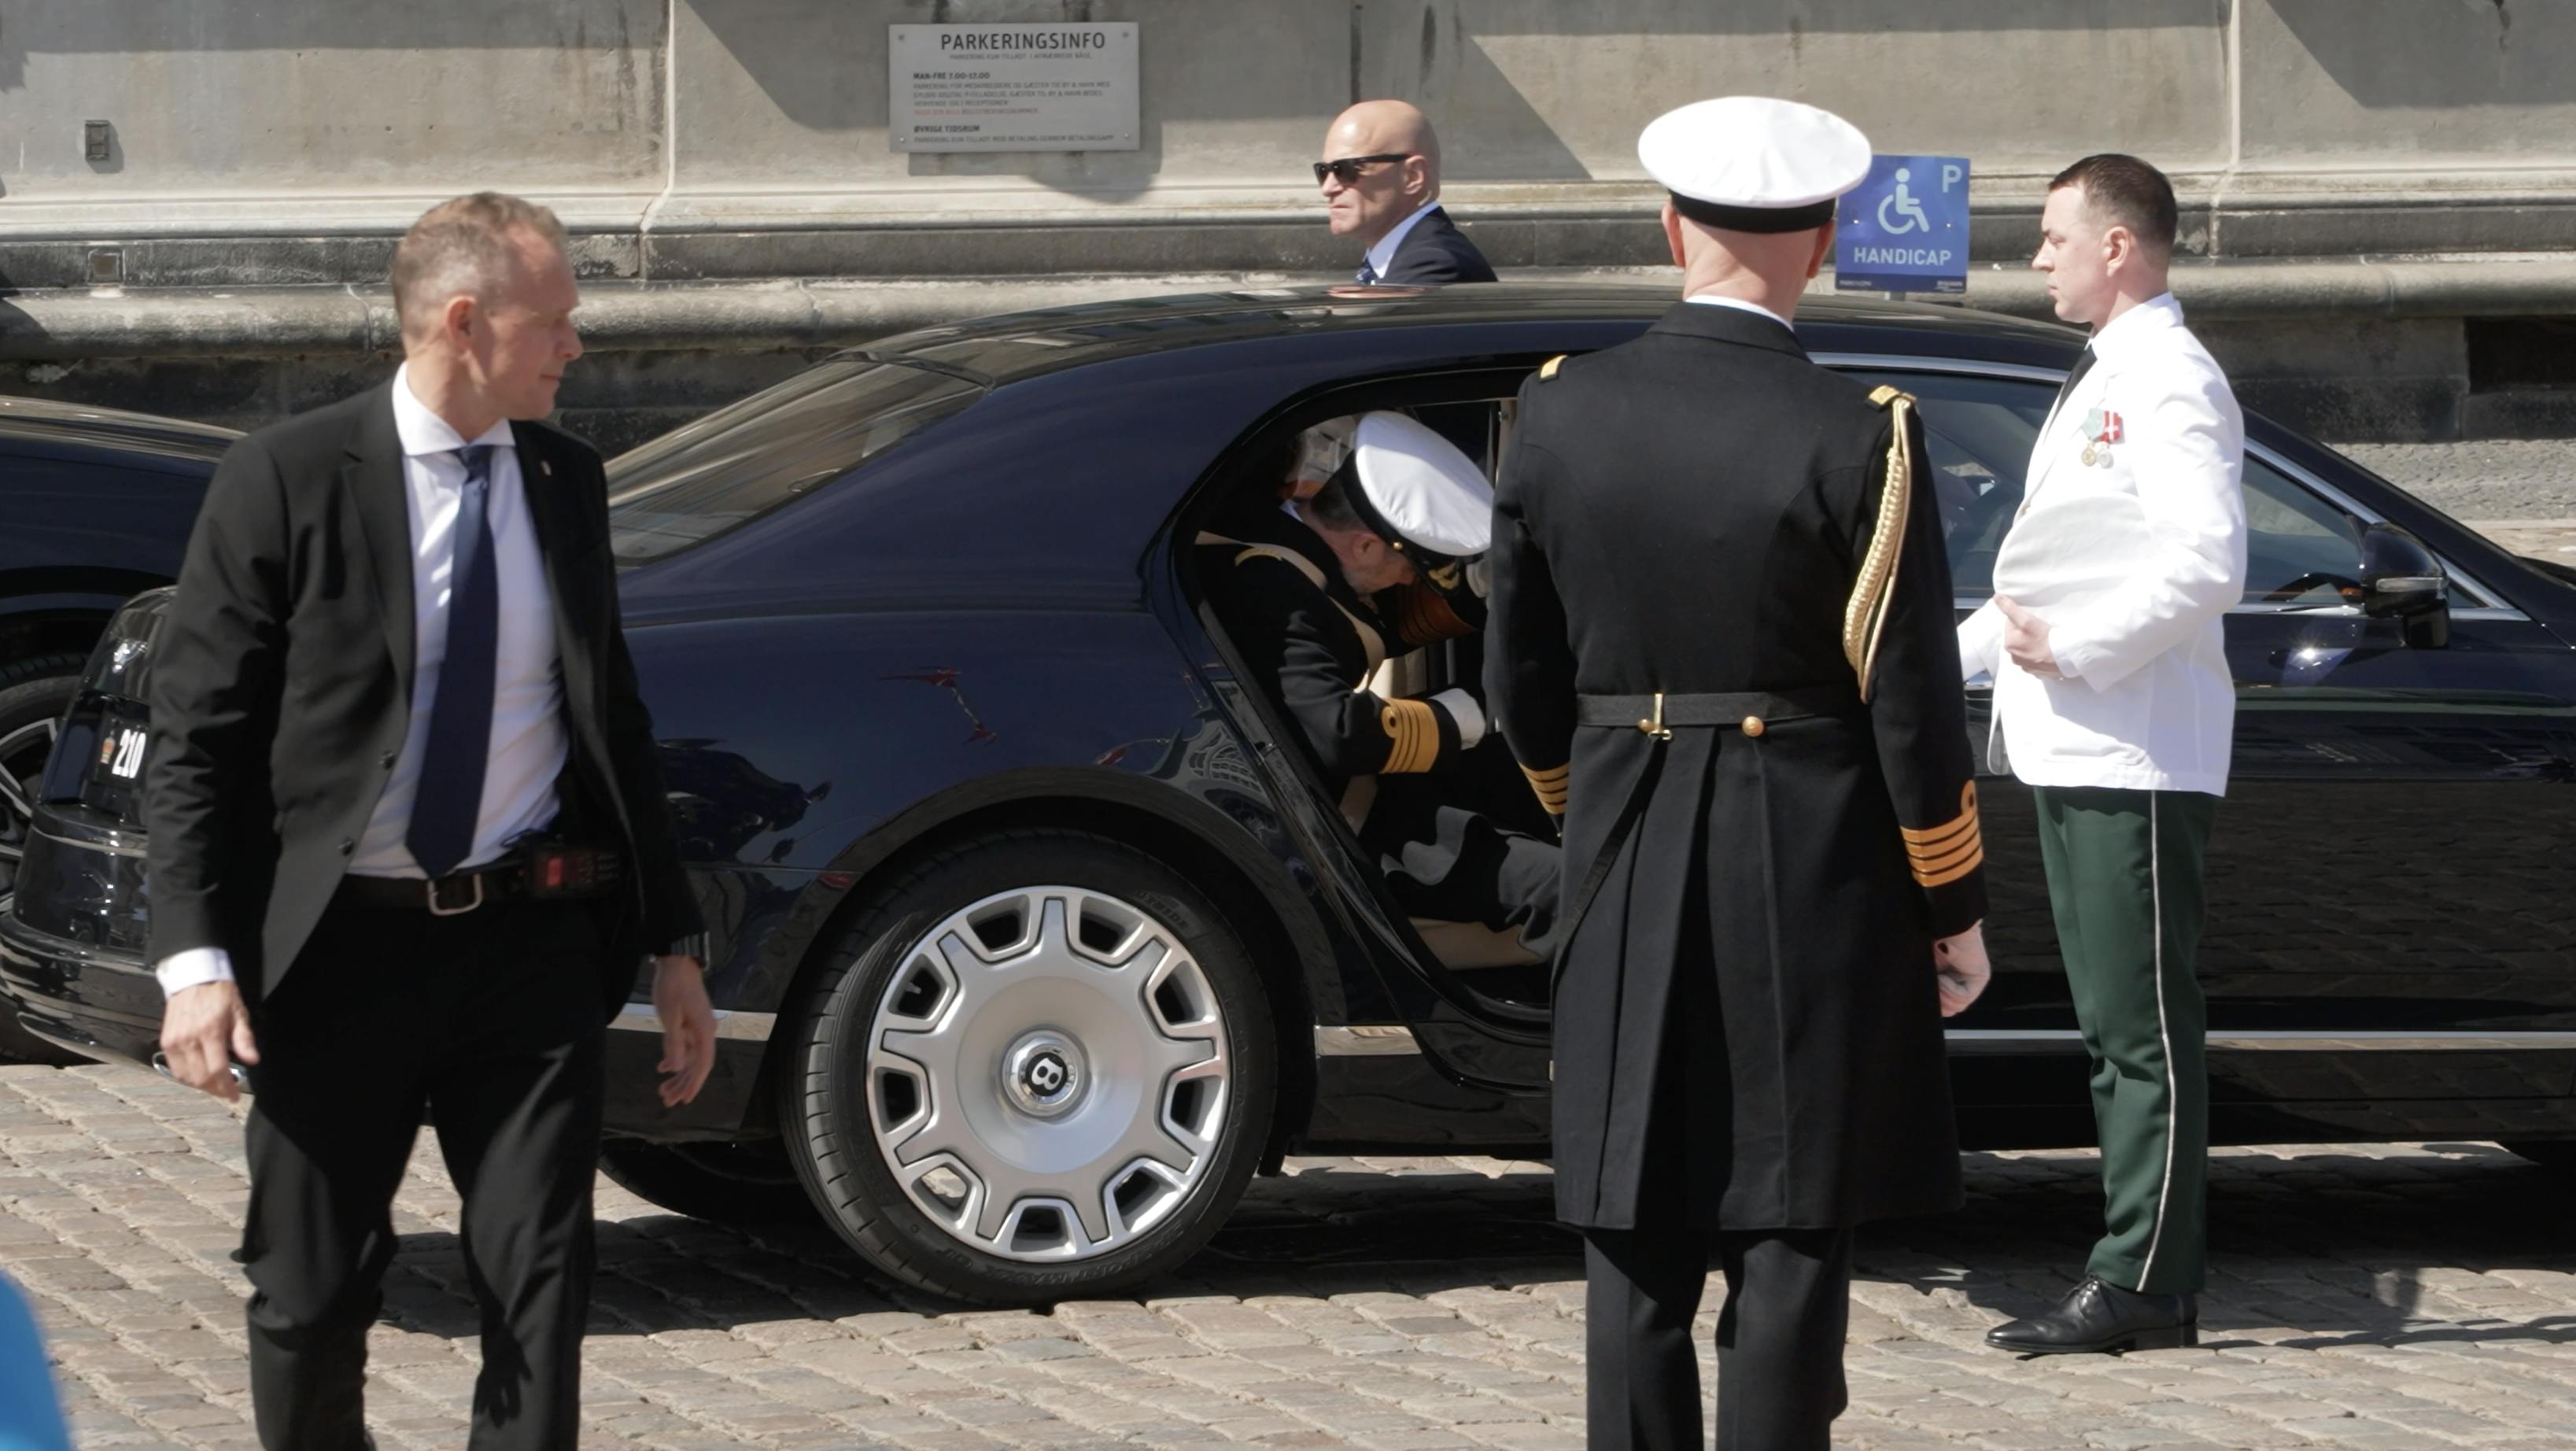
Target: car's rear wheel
{"points": [[33, 696], [1039, 1065], [744, 1184]]}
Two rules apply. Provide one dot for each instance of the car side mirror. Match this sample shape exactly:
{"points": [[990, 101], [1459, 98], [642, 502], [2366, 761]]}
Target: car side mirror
{"points": [[2402, 581]]}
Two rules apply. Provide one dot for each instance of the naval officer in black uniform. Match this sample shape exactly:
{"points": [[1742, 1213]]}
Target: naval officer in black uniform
{"points": [[1721, 643], [1315, 595]]}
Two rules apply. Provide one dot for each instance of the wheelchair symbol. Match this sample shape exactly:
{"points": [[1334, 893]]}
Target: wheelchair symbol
{"points": [[1906, 207]]}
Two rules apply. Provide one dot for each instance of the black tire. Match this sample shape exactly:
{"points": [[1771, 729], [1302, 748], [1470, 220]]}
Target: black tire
{"points": [[2557, 1154], [33, 693], [746, 1184], [828, 1103]]}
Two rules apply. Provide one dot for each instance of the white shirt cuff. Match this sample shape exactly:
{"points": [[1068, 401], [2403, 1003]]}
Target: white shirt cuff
{"points": [[195, 967], [1470, 716]]}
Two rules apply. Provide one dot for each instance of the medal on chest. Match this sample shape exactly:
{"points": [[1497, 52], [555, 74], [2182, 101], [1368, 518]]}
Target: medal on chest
{"points": [[2101, 430]]}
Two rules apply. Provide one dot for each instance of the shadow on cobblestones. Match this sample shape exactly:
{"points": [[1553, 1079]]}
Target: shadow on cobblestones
{"points": [[2334, 1245]]}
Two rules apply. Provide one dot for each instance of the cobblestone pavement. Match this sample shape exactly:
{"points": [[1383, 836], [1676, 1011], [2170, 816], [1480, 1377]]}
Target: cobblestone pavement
{"points": [[2383, 1298], [2482, 481]]}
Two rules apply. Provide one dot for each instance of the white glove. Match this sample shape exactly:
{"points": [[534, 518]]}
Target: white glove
{"points": [[1962, 969], [1470, 716]]}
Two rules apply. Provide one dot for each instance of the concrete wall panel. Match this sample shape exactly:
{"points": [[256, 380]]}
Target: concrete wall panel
{"points": [[2429, 82], [785, 94], [1540, 90], [225, 97]]}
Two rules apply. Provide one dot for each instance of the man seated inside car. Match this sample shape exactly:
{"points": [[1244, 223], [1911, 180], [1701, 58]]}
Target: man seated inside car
{"points": [[1316, 593]]}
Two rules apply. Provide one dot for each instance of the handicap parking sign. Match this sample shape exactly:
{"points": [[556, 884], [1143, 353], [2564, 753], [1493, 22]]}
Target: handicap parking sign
{"points": [[1905, 229]]}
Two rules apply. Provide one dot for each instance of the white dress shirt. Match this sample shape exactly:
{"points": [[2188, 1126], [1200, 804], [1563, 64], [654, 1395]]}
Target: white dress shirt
{"points": [[2133, 559], [1382, 256], [529, 745], [1711, 299]]}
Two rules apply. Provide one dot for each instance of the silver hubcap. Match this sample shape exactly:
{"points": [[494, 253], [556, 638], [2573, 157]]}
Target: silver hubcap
{"points": [[1047, 1074], [22, 765]]}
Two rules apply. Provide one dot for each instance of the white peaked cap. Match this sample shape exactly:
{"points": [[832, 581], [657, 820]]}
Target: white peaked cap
{"points": [[1421, 486], [1754, 153]]}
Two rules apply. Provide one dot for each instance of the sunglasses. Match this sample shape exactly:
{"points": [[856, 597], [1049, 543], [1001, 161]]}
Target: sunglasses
{"points": [[1348, 168]]}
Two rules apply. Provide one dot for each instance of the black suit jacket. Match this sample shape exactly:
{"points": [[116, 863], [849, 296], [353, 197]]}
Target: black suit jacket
{"points": [[1435, 251], [282, 680]]}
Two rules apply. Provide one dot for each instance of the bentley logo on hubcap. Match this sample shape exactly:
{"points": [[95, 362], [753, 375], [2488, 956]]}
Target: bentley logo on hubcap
{"points": [[1045, 1074]]}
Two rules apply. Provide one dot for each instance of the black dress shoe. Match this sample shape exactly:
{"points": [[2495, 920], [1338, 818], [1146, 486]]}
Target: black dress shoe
{"points": [[2096, 1317]]}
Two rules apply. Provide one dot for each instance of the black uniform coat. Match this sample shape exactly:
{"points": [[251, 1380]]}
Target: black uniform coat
{"points": [[282, 685], [1311, 645], [1687, 513]]}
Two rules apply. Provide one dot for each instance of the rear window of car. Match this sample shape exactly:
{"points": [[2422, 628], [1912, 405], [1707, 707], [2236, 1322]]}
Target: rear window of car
{"points": [[778, 445]]}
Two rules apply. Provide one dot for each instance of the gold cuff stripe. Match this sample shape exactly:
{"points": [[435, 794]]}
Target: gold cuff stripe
{"points": [[1550, 786], [1932, 862], [1939, 839], [1415, 730], [1943, 854], [1967, 817], [1952, 874]]}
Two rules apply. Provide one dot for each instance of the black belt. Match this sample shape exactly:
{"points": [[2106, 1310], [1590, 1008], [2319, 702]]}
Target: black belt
{"points": [[448, 896], [1749, 710]]}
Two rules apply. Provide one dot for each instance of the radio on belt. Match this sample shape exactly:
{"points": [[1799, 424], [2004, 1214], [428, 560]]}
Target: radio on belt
{"points": [[561, 869]]}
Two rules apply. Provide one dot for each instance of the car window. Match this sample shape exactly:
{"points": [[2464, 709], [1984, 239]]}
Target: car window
{"points": [[741, 461], [1980, 431]]}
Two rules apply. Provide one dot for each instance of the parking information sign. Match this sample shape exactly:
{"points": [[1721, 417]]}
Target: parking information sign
{"points": [[1032, 87], [1905, 229]]}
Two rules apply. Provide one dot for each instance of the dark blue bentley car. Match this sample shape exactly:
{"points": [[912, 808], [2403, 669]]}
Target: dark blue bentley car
{"points": [[1037, 935], [94, 505]]}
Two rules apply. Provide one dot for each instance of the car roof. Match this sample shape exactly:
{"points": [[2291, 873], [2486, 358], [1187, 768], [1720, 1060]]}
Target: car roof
{"points": [[45, 421], [1009, 348]]}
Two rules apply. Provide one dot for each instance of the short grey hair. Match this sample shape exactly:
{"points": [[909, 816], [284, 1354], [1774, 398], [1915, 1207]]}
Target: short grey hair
{"points": [[463, 245], [1332, 505]]}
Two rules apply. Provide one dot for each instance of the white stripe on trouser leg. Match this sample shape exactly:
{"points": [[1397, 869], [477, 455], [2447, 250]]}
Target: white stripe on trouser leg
{"points": [[2164, 1034]]}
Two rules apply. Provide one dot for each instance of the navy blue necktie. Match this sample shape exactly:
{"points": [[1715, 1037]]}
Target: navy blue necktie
{"points": [[1368, 274], [450, 800]]}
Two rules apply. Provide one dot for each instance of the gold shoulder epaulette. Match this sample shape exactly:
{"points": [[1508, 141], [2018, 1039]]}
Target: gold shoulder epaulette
{"points": [[1547, 370], [1865, 614]]}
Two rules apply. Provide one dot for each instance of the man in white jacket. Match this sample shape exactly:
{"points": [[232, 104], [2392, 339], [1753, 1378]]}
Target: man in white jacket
{"points": [[2113, 702]]}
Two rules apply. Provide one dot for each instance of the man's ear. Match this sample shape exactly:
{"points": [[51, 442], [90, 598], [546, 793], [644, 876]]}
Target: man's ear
{"points": [[2120, 249], [1417, 179], [1673, 233], [459, 319], [1824, 248]]}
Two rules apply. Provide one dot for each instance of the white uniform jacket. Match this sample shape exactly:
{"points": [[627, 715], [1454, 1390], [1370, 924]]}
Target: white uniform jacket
{"points": [[2130, 543]]}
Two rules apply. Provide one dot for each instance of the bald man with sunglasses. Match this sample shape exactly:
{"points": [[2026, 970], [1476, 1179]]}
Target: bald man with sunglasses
{"points": [[1380, 175]]}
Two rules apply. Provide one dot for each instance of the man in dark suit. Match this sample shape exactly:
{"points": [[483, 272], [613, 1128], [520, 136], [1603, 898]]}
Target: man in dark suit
{"points": [[408, 839], [1380, 174], [1721, 643]]}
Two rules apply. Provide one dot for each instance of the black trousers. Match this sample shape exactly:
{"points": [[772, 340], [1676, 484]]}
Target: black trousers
{"points": [[1779, 1338], [487, 1023]]}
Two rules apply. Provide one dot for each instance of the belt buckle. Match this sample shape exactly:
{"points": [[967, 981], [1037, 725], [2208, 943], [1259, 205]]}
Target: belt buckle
{"points": [[430, 893]]}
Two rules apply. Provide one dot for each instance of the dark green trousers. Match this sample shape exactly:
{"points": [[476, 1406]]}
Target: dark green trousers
{"points": [[2124, 880]]}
